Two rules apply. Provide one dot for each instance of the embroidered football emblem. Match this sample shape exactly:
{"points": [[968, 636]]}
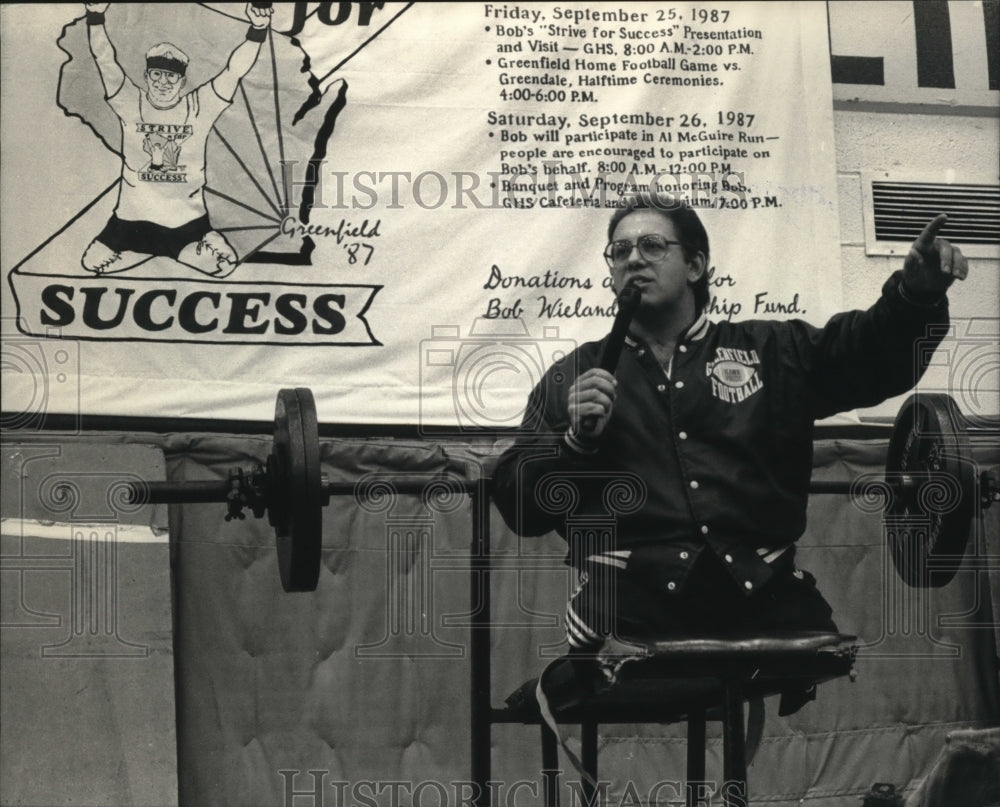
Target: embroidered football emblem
{"points": [[734, 374]]}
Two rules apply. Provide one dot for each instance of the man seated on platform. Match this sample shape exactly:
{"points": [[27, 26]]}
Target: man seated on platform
{"points": [[716, 419]]}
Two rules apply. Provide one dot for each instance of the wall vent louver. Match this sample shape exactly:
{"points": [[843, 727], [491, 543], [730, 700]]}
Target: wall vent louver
{"points": [[897, 208]]}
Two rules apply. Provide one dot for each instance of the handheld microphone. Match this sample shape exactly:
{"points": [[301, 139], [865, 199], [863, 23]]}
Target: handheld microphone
{"points": [[628, 304]]}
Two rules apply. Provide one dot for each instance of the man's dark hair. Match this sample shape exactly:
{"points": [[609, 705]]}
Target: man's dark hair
{"points": [[690, 231]]}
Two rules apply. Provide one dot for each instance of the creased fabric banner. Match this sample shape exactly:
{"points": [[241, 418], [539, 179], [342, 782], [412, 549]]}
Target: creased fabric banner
{"points": [[404, 205]]}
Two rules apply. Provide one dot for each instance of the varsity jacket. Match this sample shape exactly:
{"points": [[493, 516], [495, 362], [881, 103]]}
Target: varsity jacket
{"points": [[714, 452]]}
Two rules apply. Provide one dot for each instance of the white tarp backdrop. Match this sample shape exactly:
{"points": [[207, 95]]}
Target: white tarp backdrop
{"points": [[417, 195]]}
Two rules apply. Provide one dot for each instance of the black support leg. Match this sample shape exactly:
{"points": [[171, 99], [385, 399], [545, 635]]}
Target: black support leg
{"points": [[695, 756], [734, 764]]}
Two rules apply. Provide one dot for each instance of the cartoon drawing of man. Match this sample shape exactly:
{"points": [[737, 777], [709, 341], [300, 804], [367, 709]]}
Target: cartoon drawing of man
{"points": [[161, 206]]}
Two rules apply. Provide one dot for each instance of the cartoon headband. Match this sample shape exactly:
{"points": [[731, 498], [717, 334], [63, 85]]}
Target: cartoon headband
{"points": [[166, 63]]}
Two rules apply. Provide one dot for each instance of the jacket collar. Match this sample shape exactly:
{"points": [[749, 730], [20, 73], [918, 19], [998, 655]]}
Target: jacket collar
{"points": [[694, 332]]}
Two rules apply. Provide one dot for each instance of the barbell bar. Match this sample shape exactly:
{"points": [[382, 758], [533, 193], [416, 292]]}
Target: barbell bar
{"points": [[928, 462]]}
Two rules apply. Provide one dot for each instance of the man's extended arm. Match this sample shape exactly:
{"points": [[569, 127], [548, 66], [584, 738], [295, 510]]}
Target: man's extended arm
{"points": [[243, 58], [863, 357], [104, 52]]}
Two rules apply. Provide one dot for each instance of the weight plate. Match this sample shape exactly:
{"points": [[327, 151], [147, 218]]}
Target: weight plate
{"points": [[295, 509], [929, 519]]}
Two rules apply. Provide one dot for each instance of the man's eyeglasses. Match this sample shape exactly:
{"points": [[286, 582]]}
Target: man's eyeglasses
{"points": [[164, 75], [652, 247]]}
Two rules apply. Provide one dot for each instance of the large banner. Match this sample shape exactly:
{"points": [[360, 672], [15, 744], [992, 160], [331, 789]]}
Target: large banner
{"points": [[400, 205]]}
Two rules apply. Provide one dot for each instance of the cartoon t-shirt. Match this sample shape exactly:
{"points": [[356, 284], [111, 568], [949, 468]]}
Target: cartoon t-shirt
{"points": [[163, 166]]}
